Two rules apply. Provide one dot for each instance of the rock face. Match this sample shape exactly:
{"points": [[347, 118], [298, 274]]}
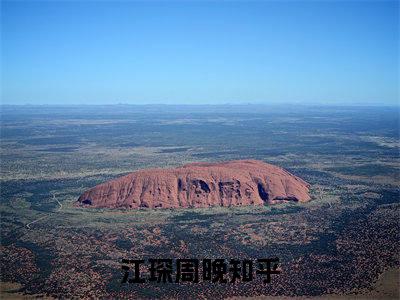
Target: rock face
{"points": [[232, 183]]}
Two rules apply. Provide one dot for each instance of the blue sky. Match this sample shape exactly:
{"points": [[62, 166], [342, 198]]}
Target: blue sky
{"points": [[317, 52]]}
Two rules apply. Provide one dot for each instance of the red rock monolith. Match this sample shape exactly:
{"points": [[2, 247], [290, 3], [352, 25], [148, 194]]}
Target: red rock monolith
{"points": [[231, 183]]}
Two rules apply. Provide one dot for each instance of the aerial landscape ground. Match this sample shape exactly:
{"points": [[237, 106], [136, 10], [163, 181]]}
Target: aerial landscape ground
{"points": [[344, 242]]}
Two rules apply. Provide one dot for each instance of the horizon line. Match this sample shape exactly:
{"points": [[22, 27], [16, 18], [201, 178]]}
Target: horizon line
{"points": [[212, 104]]}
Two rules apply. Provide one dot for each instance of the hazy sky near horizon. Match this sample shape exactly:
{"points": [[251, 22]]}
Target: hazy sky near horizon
{"points": [[198, 52]]}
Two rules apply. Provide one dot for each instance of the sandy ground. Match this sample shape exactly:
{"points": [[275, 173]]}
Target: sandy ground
{"points": [[8, 291]]}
